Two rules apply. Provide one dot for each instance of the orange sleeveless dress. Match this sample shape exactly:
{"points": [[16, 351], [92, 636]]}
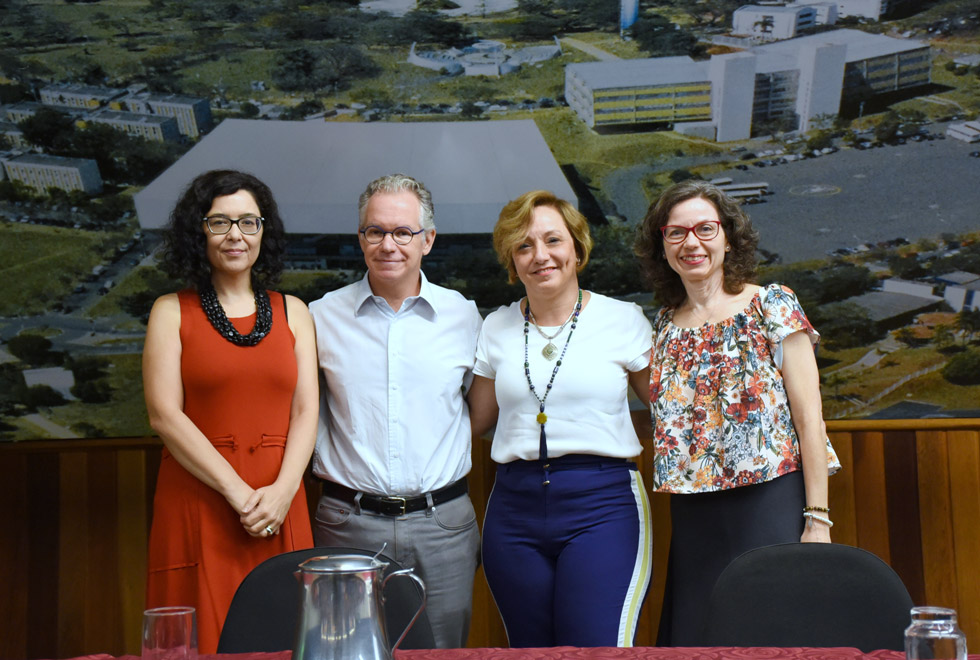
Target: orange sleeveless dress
{"points": [[240, 398]]}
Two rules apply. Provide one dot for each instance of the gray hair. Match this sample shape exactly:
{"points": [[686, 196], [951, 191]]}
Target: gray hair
{"points": [[393, 183]]}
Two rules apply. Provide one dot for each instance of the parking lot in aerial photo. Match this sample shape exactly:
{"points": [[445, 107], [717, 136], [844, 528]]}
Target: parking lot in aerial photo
{"points": [[853, 196]]}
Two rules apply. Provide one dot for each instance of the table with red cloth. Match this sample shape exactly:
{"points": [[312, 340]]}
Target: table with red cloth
{"points": [[606, 653]]}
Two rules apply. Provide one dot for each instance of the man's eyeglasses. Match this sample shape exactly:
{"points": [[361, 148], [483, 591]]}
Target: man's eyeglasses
{"points": [[221, 224], [703, 231], [401, 235]]}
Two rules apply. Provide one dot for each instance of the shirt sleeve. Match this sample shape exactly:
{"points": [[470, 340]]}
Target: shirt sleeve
{"points": [[642, 336], [783, 315], [482, 366], [476, 323]]}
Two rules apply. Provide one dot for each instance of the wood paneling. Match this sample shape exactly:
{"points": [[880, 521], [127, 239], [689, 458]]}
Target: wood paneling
{"points": [[78, 515], [935, 519], [15, 562], [905, 539], [840, 498], [964, 477]]}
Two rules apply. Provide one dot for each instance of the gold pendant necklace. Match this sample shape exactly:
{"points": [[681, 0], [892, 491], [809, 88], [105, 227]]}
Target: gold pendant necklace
{"points": [[550, 351]]}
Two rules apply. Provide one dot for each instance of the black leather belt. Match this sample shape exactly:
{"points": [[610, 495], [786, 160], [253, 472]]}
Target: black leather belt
{"points": [[392, 505]]}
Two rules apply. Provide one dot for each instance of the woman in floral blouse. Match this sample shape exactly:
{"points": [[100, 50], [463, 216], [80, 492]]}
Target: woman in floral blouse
{"points": [[738, 431]]}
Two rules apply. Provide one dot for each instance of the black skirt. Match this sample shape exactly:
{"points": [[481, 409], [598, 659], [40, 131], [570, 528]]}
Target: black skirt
{"points": [[708, 531]]}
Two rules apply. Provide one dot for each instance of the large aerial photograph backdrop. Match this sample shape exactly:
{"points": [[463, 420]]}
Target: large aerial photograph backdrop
{"points": [[848, 129]]}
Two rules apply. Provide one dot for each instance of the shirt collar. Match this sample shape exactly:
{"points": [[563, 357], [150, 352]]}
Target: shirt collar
{"points": [[424, 304]]}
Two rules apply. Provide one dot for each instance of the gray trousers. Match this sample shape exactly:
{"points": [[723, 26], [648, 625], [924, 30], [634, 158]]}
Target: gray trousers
{"points": [[442, 545]]}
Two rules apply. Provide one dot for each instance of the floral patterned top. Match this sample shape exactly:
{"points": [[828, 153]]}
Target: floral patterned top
{"points": [[721, 417]]}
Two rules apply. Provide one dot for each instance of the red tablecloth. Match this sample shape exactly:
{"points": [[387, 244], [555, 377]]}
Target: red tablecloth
{"points": [[572, 653], [648, 653]]}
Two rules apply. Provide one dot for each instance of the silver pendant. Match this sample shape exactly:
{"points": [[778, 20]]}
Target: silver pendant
{"points": [[550, 351]]}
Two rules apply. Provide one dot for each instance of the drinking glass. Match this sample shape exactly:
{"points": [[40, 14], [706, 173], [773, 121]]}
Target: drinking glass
{"points": [[934, 635], [169, 633]]}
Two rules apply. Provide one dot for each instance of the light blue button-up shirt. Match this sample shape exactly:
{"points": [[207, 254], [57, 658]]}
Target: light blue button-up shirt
{"points": [[393, 419]]}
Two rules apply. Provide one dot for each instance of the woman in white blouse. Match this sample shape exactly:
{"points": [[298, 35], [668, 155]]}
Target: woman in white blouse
{"points": [[566, 539]]}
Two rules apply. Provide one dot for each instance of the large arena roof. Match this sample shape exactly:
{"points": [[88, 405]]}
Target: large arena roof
{"points": [[318, 169]]}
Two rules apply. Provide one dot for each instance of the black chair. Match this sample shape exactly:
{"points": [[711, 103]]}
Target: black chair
{"points": [[266, 608], [808, 594]]}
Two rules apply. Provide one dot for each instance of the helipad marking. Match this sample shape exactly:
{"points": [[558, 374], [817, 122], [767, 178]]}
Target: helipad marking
{"points": [[814, 190]]}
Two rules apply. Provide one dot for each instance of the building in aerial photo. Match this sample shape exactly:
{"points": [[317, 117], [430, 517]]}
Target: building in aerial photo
{"points": [[318, 169], [725, 98]]}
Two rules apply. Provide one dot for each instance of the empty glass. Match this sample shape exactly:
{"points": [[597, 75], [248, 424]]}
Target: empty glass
{"points": [[169, 633], [934, 635]]}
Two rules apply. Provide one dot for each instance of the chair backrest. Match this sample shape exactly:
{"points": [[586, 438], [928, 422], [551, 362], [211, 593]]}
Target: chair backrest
{"points": [[808, 594], [266, 608]]}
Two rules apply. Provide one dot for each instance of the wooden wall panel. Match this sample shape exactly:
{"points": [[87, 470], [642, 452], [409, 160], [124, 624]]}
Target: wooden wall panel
{"points": [[660, 505], [486, 624], [43, 487], [131, 543], [840, 496], [73, 552], [80, 511], [102, 580], [14, 558], [870, 494], [935, 519], [964, 479], [901, 488]]}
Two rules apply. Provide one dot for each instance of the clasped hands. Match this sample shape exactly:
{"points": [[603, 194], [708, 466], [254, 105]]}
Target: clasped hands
{"points": [[264, 510]]}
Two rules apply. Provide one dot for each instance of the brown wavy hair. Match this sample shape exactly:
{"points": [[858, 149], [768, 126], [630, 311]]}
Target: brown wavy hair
{"points": [[740, 263]]}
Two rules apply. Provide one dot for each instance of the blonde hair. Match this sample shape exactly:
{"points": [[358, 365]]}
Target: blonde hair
{"points": [[515, 218]]}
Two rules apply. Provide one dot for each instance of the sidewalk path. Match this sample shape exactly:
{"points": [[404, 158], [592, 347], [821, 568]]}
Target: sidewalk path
{"points": [[597, 53], [50, 427]]}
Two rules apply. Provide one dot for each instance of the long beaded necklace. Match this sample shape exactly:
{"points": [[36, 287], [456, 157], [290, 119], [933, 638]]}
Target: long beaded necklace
{"points": [[550, 351], [219, 320], [542, 418]]}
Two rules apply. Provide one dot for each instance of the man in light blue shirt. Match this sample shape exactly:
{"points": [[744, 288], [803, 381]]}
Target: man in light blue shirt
{"points": [[393, 444]]}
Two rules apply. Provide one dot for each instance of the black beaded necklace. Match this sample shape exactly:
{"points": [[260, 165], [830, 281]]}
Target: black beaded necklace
{"points": [[542, 418], [219, 320]]}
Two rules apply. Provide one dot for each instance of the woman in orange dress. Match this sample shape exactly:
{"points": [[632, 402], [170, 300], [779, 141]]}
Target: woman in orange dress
{"points": [[229, 374]]}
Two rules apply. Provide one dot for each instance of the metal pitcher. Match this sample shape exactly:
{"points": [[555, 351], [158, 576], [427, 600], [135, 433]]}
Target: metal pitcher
{"points": [[342, 615]]}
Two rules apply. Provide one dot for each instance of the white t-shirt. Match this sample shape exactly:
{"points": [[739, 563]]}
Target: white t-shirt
{"points": [[587, 409]]}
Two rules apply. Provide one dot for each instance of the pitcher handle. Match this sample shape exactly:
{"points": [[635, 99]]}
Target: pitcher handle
{"points": [[407, 572]]}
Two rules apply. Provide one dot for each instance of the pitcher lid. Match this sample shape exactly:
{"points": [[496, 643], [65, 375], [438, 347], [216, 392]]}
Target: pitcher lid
{"points": [[342, 563]]}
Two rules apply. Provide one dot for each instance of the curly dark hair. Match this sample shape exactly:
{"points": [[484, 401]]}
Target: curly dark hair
{"points": [[185, 244], [740, 263]]}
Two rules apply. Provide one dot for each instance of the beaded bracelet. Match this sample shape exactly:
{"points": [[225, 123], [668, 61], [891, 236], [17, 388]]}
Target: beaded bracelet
{"points": [[822, 509], [810, 517]]}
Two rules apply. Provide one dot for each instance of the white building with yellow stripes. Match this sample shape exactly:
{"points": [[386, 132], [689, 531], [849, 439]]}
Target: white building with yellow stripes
{"points": [[789, 82]]}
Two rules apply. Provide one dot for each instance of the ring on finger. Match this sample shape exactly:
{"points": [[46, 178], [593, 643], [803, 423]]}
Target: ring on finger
{"points": [[269, 531]]}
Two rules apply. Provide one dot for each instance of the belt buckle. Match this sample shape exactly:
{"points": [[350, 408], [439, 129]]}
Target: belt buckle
{"points": [[397, 501]]}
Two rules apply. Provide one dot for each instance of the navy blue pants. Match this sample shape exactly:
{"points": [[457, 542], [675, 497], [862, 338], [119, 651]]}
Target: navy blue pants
{"points": [[568, 563]]}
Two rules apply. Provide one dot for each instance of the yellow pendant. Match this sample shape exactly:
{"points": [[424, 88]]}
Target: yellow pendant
{"points": [[542, 418]]}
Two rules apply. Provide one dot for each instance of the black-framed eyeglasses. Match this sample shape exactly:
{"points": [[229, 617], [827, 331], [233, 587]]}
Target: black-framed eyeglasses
{"points": [[401, 235], [221, 224], [703, 231]]}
